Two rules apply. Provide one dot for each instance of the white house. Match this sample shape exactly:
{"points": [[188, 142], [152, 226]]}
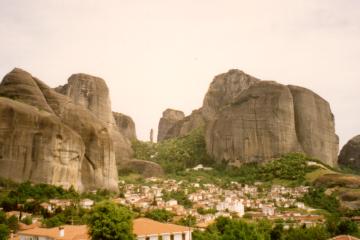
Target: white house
{"points": [[86, 203], [268, 210]]}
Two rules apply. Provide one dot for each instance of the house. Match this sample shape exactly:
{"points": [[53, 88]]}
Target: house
{"points": [[171, 203], [86, 203], [268, 210], [147, 229], [143, 228], [68, 232]]}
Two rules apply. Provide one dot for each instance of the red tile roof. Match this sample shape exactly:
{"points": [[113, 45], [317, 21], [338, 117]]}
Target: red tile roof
{"points": [[146, 227]]}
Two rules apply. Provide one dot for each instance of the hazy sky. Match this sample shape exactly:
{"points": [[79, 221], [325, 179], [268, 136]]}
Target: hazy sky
{"points": [[156, 54]]}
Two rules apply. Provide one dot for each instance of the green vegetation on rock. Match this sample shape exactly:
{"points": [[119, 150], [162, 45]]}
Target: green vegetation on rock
{"points": [[175, 154]]}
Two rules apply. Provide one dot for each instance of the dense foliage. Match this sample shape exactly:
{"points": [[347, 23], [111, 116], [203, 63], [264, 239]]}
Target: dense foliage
{"points": [[175, 154], [28, 197], [232, 229], [160, 215], [7, 225], [179, 196], [290, 169], [317, 198], [108, 221], [37, 192], [238, 229]]}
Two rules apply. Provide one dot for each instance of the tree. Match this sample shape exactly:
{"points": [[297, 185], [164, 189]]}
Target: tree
{"points": [[4, 232], [13, 223], [160, 215], [347, 227], [108, 221], [276, 232], [188, 221]]}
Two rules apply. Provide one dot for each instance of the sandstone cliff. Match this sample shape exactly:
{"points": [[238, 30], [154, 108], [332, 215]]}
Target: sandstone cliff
{"points": [[249, 120], [350, 154], [125, 125], [92, 93], [69, 139], [169, 118]]}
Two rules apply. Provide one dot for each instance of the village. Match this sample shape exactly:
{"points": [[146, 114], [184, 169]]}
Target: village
{"points": [[209, 201]]}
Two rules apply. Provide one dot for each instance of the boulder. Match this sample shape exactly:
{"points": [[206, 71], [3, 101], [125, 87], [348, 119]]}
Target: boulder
{"points": [[125, 125], [350, 154], [169, 118]]}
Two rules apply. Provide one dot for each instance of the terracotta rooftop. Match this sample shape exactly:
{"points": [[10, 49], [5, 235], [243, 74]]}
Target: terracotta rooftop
{"points": [[344, 237], [145, 227], [71, 232]]}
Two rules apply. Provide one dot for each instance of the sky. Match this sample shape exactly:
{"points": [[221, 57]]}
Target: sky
{"points": [[158, 54]]}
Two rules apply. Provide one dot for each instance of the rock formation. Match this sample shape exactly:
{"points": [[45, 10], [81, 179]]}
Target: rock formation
{"points": [[224, 90], [168, 120], [350, 154], [92, 93], [59, 139], [249, 120], [143, 167], [315, 125], [36, 146], [258, 125], [125, 125]]}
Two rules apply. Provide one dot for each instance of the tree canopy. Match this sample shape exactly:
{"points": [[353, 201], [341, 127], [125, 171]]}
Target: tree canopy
{"points": [[107, 221]]}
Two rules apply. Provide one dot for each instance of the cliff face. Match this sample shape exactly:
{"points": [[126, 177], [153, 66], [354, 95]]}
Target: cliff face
{"points": [[224, 90], [59, 139], [258, 125], [92, 93], [350, 154], [249, 120], [126, 125], [169, 118]]}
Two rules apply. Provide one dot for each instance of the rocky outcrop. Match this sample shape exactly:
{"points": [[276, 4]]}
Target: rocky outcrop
{"points": [[249, 120], [169, 118], [92, 93], [183, 127], [350, 154], [58, 139], [259, 125], [224, 90], [315, 125], [145, 168], [21, 86], [36, 146], [125, 125]]}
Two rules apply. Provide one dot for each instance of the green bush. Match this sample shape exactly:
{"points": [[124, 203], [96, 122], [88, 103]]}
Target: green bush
{"points": [[160, 215], [317, 198]]}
